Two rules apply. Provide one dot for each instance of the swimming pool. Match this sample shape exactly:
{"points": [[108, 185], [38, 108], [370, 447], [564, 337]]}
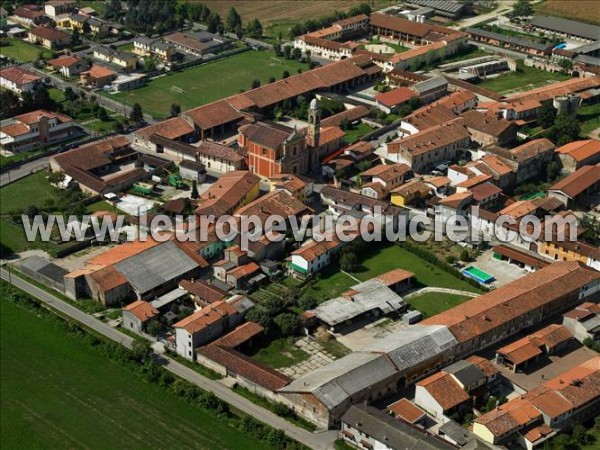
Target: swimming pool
{"points": [[478, 275]]}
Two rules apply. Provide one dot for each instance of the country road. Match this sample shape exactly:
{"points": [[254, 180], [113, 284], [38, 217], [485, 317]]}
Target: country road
{"points": [[318, 440]]}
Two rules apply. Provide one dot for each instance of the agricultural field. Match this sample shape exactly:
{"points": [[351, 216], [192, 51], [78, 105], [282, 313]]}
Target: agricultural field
{"points": [[380, 260], [208, 82], [22, 51], [59, 392], [581, 10]]}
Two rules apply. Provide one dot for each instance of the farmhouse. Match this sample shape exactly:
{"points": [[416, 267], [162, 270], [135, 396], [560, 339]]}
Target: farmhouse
{"points": [[577, 154], [575, 187], [583, 321], [487, 128], [566, 27], [510, 42]]}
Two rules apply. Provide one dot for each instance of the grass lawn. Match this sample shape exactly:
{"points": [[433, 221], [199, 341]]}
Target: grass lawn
{"points": [[523, 79], [57, 95], [106, 126], [434, 303], [58, 392], [4, 160], [208, 82], [23, 51], [278, 353], [589, 118], [380, 260], [34, 189], [473, 52], [356, 132]]}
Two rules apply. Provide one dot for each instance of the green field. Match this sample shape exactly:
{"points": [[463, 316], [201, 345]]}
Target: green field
{"points": [[523, 79], [380, 260], [59, 392], [34, 189], [589, 118], [208, 82], [356, 132], [433, 303], [23, 51]]}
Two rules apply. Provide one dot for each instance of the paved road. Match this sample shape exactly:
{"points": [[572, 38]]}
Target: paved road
{"points": [[23, 170], [322, 440]]}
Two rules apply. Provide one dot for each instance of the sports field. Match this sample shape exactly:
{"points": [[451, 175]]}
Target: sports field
{"points": [[58, 392], [208, 82]]}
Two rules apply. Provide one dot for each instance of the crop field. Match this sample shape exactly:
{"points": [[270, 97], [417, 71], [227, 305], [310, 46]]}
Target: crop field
{"points": [[583, 10], [208, 82], [59, 392]]}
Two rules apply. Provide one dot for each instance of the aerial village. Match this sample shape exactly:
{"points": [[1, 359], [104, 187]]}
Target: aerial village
{"points": [[424, 108]]}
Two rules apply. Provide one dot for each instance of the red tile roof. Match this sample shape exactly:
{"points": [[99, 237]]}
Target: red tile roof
{"points": [[203, 289], [395, 96], [578, 181], [241, 334], [64, 61], [19, 76], [50, 34], [141, 309], [445, 390], [580, 150], [406, 410]]}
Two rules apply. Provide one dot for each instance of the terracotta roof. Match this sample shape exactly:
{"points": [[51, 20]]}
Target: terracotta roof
{"points": [[241, 365], [538, 433], [456, 200], [395, 96], [50, 34], [291, 182], [97, 72], [407, 26], [497, 164], [580, 180], [205, 317], [33, 117], [241, 334], [509, 417], [28, 12], [64, 61], [406, 410], [484, 365], [387, 172], [494, 309], [108, 278], [395, 276], [417, 51], [532, 149], [275, 203], [486, 122], [214, 114], [244, 270], [227, 192], [170, 129], [121, 252], [474, 181], [19, 76], [552, 90], [520, 256], [269, 135], [484, 190], [411, 187], [432, 138], [330, 134], [519, 209], [218, 151], [203, 289], [351, 115], [361, 148], [445, 390], [313, 249], [141, 309], [520, 351], [580, 150], [438, 181]]}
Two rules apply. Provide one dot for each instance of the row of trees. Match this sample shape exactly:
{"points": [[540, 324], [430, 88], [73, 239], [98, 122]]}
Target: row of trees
{"points": [[39, 98], [314, 24]]}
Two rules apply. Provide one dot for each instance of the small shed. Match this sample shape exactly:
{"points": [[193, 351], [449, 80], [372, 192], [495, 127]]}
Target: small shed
{"points": [[412, 317], [193, 171]]}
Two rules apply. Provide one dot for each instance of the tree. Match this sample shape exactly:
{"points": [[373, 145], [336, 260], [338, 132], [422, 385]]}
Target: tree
{"points": [[552, 171], [175, 110], [233, 19], [153, 328], [307, 302], [546, 115], [113, 9], [102, 114], [221, 29], [566, 64], [450, 259], [117, 126], [75, 38], [141, 350], [149, 64], [464, 255], [194, 194], [522, 8], [285, 75], [213, 21], [56, 177], [344, 123], [579, 434], [287, 51], [288, 324], [260, 316], [255, 83], [296, 53], [11, 105], [70, 94], [86, 29], [349, 262], [255, 28], [272, 79], [565, 129], [239, 31], [137, 115]]}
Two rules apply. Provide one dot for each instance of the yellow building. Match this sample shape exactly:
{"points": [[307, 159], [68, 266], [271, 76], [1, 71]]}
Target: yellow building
{"points": [[409, 192]]}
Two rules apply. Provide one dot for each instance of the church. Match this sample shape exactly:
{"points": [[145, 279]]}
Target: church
{"points": [[273, 148]]}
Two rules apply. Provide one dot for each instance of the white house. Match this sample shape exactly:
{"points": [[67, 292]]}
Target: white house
{"points": [[18, 80], [313, 256]]}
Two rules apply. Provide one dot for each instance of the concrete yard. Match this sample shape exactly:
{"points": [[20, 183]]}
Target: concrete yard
{"points": [[319, 357], [502, 271]]}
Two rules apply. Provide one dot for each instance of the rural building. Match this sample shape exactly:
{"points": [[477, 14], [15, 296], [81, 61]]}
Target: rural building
{"points": [[547, 341], [68, 66], [577, 154], [487, 128], [313, 256], [575, 187], [426, 149], [370, 428], [34, 129], [565, 27], [324, 48], [296, 186], [230, 192], [137, 314], [145, 46], [29, 15], [390, 101], [410, 192], [379, 181], [402, 30], [511, 42], [193, 171], [98, 27], [406, 410], [18, 80], [49, 37], [431, 89], [583, 321]]}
